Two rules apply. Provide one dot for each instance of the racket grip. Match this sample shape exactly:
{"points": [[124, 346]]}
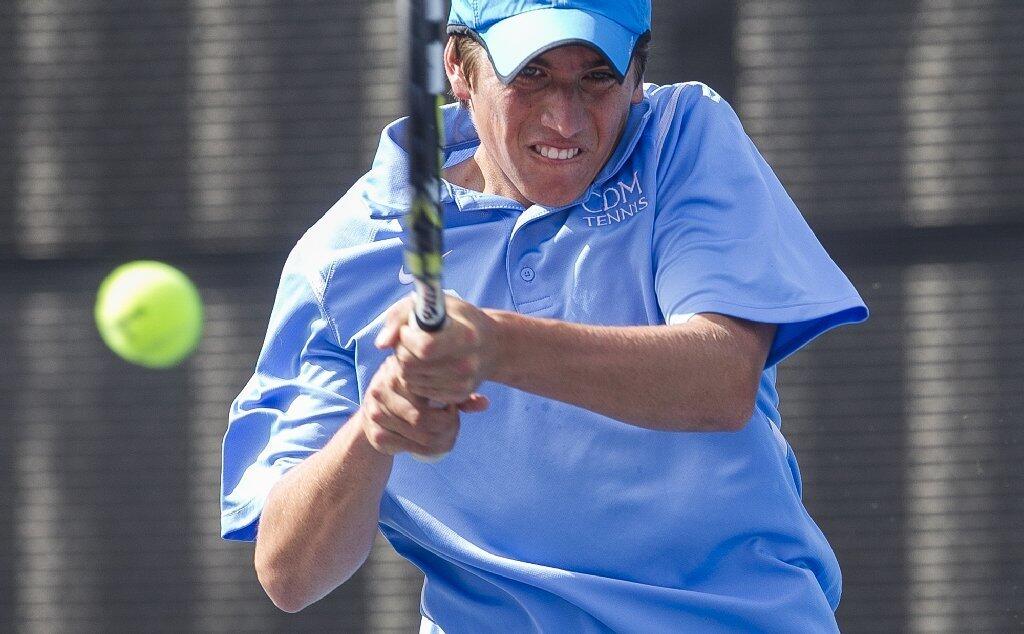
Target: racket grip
{"points": [[415, 323]]}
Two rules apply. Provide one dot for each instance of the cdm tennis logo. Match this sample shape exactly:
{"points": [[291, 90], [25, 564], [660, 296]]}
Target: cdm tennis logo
{"points": [[615, 203]]}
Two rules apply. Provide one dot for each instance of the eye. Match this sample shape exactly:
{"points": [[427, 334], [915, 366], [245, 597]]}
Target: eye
{"points": [[530, 72], [602, 77]]}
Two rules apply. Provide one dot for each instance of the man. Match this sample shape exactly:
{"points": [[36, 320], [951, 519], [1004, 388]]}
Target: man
{"points": [[626, 274]]}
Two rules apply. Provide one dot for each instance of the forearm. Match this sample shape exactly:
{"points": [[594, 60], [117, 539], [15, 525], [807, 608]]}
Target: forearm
{"points": [[320, 520], [683, 378]]}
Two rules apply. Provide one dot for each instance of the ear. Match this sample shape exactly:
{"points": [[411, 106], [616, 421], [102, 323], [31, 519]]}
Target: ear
{"points": [[455, 71]]}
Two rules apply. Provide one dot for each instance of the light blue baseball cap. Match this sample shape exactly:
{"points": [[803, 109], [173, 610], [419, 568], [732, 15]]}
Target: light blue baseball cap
{"points": [[516, 31]]}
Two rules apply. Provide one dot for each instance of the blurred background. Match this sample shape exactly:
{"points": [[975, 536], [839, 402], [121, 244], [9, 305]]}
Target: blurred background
{"points": [[211, 133]]}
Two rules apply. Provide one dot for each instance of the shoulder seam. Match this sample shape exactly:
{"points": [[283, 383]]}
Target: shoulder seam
{"points": [[321, 297], [665, 121], [320, 303]]}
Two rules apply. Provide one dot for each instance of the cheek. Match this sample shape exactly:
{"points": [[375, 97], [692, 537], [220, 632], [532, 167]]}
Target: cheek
{"points": [[488, 126], [612, 119], [507, 130], [510, 118]]}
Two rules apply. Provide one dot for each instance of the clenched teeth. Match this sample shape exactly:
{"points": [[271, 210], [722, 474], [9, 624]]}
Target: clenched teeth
{"points": [[555, 153]]}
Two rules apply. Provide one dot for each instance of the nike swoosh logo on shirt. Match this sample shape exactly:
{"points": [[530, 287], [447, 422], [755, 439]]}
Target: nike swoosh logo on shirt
{"points": [[408, 278]]}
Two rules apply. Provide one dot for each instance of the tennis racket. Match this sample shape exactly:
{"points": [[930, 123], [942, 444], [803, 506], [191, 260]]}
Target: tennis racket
{"points": [[424, 87], [422, 22]]}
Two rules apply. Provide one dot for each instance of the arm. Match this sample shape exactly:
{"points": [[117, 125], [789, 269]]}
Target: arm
{"points": [[698, 376], [320, 519]]}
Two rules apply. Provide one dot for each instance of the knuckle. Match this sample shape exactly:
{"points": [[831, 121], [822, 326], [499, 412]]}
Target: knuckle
{"points": [[376, 436], [374, 411], [428, 348], [462, 369], [376, 389], [407, 361], [395, 381]]}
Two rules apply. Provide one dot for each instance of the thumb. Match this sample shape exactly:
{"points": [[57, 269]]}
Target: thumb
{"points": [[475, 403], [396, 317]]}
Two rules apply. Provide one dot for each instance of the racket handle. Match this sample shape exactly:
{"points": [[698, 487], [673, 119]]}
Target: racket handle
{"points": [[414, 322]]}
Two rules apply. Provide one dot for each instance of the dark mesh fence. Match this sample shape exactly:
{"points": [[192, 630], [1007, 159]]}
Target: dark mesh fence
{"points": [[212, 133], [897, 128]]}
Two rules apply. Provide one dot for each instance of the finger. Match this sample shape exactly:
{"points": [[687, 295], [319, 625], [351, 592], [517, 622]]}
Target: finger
{"points": [[394, 319], [466, 369], [446, 398], [431, 347], [433, 416], [400, 383], [443, 389], [475, 403], [398, 415], [442, 447], [388, 442], [409, 361]]}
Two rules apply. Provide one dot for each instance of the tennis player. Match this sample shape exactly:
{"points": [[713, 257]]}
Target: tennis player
{"points": [[626, 273]]}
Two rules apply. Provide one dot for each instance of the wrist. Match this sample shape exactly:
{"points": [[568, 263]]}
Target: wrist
{"points": [[359, 442], [505, 344]]}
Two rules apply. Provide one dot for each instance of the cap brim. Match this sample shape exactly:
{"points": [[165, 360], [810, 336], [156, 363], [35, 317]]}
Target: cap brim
{"points": [[514, 41]]}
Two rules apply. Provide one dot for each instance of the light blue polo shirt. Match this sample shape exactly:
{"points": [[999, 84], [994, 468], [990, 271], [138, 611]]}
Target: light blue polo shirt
{"points": [[546, 516]]}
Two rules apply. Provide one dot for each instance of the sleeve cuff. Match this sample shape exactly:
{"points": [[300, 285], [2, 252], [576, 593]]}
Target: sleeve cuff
{"points": [[797, 325], [241, 510]]}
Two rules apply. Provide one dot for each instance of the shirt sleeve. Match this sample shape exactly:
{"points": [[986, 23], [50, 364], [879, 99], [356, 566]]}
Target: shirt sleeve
{"points": [[303, 389], [728, 239]]}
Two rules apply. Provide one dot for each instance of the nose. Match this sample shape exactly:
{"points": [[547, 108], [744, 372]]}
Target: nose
{"points": [[563, 112]]}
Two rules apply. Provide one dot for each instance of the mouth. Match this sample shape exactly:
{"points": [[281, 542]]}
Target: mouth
{"points": [[554, 153]]}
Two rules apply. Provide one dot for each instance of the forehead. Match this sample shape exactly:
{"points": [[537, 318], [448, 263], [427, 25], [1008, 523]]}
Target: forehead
{"points": [[570, 57]]}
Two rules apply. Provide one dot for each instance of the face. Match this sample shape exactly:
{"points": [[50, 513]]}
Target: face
{"points": [[545, 136]]}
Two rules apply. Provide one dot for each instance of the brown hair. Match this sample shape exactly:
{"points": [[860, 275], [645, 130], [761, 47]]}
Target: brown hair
{"points": [[641, 53], [469, 52]]}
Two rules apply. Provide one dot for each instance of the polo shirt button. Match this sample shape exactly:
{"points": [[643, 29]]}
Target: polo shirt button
{"points": [[527, 274]]}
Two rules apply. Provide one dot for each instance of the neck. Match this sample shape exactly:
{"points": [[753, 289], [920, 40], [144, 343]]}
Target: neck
{"points": [[477, 173], [466, 174]]}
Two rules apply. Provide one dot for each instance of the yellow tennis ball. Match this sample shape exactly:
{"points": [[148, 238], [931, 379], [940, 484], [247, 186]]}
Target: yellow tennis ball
{"points": [[149, 313]]}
